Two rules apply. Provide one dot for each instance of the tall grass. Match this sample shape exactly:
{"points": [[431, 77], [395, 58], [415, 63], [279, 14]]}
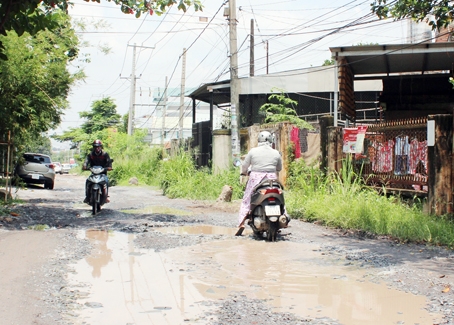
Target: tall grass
{"points": [[338, 200], [179, 177], [342, 201]]}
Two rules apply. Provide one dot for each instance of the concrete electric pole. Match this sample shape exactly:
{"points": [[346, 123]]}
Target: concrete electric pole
{"points": [[234, 86], [164, 109], [132, 96], [183, 80]]}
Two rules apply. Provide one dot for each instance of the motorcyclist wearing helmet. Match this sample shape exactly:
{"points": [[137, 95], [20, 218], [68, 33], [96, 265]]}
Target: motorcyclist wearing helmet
{"points": [[97, 157], [263, 162]]}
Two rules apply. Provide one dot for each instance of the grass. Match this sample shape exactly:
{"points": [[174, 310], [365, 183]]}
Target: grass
{"points": [[338, 200], [342, 201], [178, 177]]}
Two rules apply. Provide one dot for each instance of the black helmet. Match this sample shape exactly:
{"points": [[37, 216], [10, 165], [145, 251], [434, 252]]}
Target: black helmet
{"points": [[97, 143]]}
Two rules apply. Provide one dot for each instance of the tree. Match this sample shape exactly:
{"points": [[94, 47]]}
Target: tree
{"points": [[32, 16], [442, 11], [35, 81], [328, 62], [281, 112], [102, 116], [39, 144]]}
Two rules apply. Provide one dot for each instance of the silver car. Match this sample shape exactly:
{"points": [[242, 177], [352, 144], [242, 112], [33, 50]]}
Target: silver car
{"points": [[36, 169], [65, 168]]}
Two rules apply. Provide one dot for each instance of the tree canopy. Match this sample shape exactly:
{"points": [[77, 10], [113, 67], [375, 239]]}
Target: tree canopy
{"points": [[32, 16], [280, 109], [35, 81], [441, 11], [102, 116]]}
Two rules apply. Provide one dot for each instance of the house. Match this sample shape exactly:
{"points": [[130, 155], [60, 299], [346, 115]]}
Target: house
{"points": [[312, 88]]}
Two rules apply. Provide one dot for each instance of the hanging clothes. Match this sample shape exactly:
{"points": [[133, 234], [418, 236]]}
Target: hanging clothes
{"points": [[294, 137], [401, 156], [417, 154], [383, 157], [303, 135]]}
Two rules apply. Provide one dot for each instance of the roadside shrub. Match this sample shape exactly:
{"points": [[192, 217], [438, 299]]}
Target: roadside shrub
{"points": [[178, 177]]}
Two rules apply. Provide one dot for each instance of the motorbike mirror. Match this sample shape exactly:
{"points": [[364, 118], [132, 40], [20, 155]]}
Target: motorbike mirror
{"points": [[236, 162]]}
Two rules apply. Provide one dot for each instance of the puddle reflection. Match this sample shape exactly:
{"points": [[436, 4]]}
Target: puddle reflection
{"points": [[198, 230], [144, 287], [101, 255]]}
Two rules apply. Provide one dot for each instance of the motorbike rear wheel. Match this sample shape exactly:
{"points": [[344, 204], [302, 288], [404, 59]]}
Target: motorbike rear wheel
{"points": [[272, 231]]}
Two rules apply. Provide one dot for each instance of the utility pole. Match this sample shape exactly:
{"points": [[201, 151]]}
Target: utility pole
{"points": [[164, 107], [266, 48], [234, 85], [132, 95], [183, 79], [251, 51]]}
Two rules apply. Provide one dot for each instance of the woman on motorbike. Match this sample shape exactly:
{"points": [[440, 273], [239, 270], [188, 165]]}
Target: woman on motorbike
{"points": [[263, 162]]}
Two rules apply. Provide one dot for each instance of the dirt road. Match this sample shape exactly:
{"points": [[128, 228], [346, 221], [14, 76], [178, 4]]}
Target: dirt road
{"points": [[147, 259]]}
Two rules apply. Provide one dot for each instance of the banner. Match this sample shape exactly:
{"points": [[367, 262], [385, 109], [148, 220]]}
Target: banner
{"points": [[350, 135], [354, 140]]}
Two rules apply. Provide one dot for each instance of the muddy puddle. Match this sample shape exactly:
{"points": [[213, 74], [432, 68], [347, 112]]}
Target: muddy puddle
{"points": [[121, 284], [158, 209]]}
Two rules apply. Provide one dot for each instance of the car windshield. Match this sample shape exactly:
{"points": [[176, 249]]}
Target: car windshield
{"points": [[37, 159]]}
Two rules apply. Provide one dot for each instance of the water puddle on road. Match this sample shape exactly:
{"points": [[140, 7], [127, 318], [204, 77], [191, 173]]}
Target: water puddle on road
{"points": [[126, 285], [199, 230]]}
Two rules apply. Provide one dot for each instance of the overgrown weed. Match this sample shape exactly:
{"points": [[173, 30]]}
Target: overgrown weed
{"points": [[341, 200]]}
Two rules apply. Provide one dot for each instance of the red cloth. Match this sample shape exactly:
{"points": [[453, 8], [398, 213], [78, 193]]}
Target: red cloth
{"points": [[294, 137]]}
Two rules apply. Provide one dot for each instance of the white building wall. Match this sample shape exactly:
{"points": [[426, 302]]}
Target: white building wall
{"points": [[319, 79]]}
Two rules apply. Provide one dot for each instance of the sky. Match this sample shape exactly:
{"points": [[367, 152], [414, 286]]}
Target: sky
{"points": [[299, 34]]}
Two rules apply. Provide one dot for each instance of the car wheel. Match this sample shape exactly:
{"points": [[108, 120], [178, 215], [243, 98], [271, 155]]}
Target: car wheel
{"points": [[49, 185]]}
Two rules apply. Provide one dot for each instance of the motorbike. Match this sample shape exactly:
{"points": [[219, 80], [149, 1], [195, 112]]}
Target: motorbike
{"points": [[97, 188], [267, 210]]}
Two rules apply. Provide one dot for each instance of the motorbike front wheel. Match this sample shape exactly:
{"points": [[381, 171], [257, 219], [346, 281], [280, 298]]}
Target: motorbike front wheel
{"points": [[94, 202]]}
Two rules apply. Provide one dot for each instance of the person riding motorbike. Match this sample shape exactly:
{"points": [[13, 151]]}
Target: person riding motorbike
{"points": [[97, 157], [263, 162]]}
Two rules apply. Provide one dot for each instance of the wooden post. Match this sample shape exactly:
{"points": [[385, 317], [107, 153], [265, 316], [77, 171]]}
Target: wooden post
{"points": [[439, 163], [334, 151], [325, 122]]}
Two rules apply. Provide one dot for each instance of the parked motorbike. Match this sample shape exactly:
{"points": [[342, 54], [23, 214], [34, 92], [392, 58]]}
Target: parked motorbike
{"points": [[267, 210], [97, 188]]}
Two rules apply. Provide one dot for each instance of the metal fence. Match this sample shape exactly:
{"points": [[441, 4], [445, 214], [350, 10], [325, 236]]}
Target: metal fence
{"points": [[202, 143], [395, 155]]}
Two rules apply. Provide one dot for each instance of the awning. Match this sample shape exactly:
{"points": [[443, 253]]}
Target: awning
{"points": [[397, 58]]}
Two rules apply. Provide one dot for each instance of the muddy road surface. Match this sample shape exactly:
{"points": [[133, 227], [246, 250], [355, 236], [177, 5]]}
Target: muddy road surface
{"points": [[147, 259]]}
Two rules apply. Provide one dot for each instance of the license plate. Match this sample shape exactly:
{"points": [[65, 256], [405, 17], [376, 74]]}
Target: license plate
{"points": [[273, 210], [35, 176]]}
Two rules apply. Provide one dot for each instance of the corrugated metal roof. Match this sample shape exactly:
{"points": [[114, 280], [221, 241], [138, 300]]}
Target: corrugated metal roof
{"points": [[397, 58]]}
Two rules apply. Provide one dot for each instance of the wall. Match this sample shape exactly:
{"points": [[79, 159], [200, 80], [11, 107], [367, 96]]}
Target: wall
{"points": [[222, 153]]}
